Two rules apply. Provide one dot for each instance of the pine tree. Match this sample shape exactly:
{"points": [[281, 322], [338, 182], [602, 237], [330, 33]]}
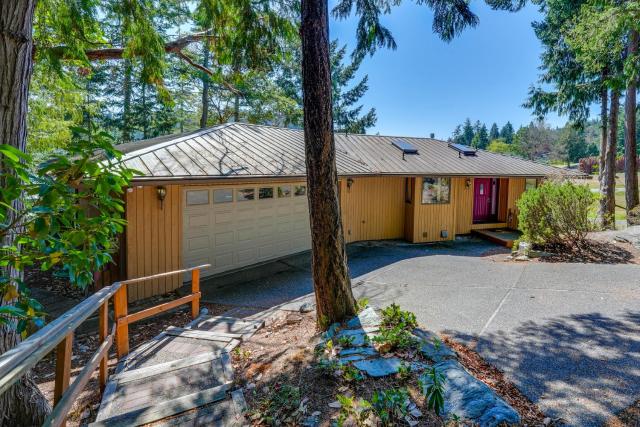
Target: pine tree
{"points": [[467, 132], [494, 133], [506, 133], [483, 137]]}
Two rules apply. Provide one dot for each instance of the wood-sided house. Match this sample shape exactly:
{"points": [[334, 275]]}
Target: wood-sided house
{"points": [[235, 195]]}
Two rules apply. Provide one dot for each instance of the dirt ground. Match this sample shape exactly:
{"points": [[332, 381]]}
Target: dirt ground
{"points": [[282, 355]]}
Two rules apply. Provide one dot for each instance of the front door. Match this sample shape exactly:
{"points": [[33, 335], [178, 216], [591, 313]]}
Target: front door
{"points": [[482, 197]]}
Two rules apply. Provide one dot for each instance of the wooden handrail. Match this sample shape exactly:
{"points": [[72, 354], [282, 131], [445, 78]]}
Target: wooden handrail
{"points": [[59, 334]]}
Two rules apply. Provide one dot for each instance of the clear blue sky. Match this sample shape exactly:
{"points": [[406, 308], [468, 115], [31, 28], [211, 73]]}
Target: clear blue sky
{"points": [[427, 85]]}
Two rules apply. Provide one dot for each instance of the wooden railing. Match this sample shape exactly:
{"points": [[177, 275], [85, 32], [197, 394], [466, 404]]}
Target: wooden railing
{"points": [[59, 335]]}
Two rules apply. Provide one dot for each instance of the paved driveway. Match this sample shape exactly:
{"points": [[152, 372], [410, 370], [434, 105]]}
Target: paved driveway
{"points": [[567, 334]]}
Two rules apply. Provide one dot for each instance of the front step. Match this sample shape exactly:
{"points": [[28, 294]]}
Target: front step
{"points": [[180, 377]]}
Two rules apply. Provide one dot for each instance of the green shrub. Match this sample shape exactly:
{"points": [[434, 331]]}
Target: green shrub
{"points": [[390, 405], [393, 316], [555, 213]]}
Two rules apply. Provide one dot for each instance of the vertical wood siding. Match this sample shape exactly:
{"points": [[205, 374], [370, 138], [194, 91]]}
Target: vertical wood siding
{"points": [[154, 239], [464, 204], [373, 208], [431, 219], [516, 188]]}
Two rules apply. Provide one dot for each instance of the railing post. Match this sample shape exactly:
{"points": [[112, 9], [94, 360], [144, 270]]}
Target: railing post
{"points": [[63, 367], [104, 331], [122, 327], [195, 289]]}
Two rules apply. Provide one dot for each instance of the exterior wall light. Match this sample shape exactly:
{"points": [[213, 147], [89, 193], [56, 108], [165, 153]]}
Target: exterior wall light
{"points": [[161, 192], [349, 182], [467, 183]]}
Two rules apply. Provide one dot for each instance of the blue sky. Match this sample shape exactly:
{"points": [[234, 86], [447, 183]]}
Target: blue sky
{"points": [[427, 85]]}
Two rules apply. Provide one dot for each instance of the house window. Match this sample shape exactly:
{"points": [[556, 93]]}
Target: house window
{"points": [[244, 194], [223, 196], [530, 183], [284, 191], [300, 190], [265, 193], [436, 190], [197, 197]]}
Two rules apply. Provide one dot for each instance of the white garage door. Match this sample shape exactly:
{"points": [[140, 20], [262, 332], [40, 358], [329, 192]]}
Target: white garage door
{"points": [[235, 226]]}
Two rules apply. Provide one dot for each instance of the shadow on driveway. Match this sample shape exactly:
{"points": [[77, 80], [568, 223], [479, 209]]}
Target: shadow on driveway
{"points": [[583, 367]]}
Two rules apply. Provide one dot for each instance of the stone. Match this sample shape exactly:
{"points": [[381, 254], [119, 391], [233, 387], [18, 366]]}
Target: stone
{"points": [[293, 319], [307, 307], [469, 398], [359, 337], [379, 367], [335, 404], [367, 351], [522, 258], [432, 347], [332, 331], [367, 318]]}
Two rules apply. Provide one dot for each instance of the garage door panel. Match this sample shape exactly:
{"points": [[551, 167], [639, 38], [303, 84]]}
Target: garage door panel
{"points": [[237, 234]]}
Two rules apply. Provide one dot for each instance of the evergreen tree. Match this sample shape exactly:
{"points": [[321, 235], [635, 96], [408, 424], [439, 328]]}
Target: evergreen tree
{"points": [[494, 133], [506, 133], [483, 137], [467, 132]]}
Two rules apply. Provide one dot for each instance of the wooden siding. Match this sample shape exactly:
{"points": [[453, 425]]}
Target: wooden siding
{"points": [[154, 239], [464, 204], [373, 208], [503, 199], [516, 188], [431, 219]]}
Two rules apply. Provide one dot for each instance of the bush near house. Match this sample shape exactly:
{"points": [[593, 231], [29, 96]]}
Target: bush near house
{"points": [[556, 213], [589, 165]]}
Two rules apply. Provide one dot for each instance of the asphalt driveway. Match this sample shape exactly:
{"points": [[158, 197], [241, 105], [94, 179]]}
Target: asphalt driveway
{"points": [[567, 334]]}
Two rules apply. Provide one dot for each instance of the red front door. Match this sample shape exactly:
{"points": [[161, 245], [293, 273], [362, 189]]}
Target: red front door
{"points": [[482, 199]]}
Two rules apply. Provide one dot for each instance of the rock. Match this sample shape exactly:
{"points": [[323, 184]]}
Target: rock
{"points": [[367, 318], [633, 217], [359, 337], [432, 347], [379, 367], [470, 398], [311, 421], [335, 404], [307, 307], [332, 331], [293, 319], [85, 414], [250, 386], [366, 351], [522, 258]]}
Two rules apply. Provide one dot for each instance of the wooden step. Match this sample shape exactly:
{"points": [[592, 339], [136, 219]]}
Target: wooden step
{"points": [[201, 335], [165, 409]]}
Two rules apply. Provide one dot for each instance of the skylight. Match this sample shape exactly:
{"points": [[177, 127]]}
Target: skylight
{"points": [[405, 147], [463, 149]]}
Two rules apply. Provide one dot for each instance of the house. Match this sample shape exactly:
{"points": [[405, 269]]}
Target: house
{"points": [[235, 195]]}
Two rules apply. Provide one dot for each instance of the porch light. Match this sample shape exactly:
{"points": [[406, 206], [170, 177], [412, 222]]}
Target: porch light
{"points": [[161, 192], [467, 183], [349, 182]]}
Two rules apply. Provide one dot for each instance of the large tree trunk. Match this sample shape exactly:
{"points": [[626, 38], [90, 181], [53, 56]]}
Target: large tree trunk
{"points": [[23, 404], [604, 100], [630, 156], [204, 117], [608, 182], [334, 298], [126, 108]]}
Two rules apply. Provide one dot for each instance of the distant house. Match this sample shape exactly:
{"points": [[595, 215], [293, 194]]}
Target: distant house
{"points": [[235, 195]]}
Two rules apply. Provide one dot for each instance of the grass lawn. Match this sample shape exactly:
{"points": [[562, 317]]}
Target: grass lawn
{"points": [[593, 184]]}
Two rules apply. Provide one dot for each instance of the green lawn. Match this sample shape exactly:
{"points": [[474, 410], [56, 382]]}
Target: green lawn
{"points": [[593, 184]]}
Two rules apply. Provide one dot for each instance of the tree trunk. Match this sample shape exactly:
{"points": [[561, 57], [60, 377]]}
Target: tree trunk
{"points": [[145, 116], [22, 404], [204, 117], [604, 100], [334, 298], [126, 108], [608, 183], [630, 156], [236, 108]]}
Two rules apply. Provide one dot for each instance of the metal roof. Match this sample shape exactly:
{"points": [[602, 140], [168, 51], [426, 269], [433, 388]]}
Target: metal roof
{"points": [[246, 150]]}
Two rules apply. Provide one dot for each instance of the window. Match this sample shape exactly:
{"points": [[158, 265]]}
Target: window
{"points": [[245, 194], [265, 193], [300, 190], [436, 190], [222, 196], [197, 197], [284, 191], [530, 183]]}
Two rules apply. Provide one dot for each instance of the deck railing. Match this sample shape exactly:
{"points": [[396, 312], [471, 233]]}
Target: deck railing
{"points": [[59, 335]]}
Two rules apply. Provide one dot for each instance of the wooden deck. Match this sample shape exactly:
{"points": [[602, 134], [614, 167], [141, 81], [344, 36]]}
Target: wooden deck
{"points": [[180, 377], [501, 236]]}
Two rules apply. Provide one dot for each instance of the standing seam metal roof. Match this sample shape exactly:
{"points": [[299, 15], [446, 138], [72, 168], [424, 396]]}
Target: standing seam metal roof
{"points": [[240, 149]]}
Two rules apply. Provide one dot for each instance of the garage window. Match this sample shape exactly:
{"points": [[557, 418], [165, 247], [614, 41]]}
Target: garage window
{"points": [[530, 183], [265, 193], [284, 191], [222, 196], [197, 197], [244, 194], [300, 190]]}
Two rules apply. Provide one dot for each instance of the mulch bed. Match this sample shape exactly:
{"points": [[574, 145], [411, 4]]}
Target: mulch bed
{"points": [[630, 417], [53, 281], [282, 355], [593, 252]]}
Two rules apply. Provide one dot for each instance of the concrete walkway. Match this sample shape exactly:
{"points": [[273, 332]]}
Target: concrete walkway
{"points": [[567, 334]]}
